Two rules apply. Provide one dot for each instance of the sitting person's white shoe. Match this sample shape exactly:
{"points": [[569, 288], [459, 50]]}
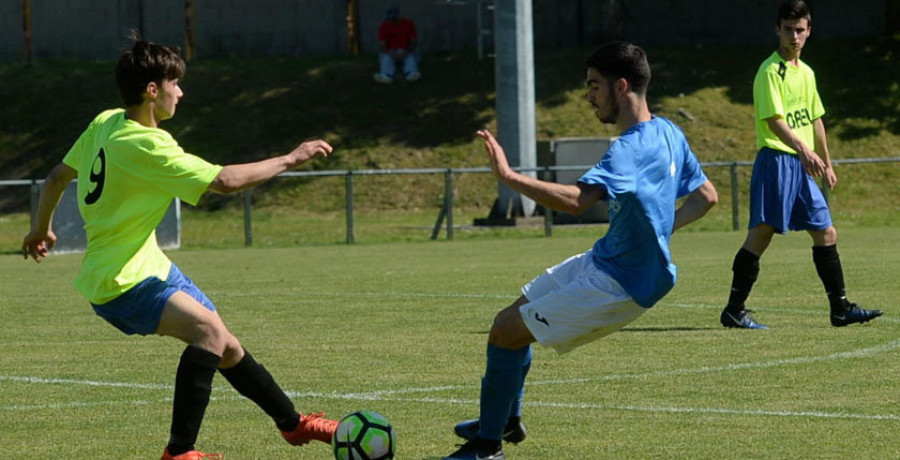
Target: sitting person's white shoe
{"points": [[415, 76], [382, 78]]}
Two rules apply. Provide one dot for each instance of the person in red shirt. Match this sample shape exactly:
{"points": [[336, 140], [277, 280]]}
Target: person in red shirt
{"points": [[397, 38]]}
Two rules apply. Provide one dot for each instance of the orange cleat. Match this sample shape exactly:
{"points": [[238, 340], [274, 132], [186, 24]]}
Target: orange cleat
{"points": [[191, 455], [312, 426]]}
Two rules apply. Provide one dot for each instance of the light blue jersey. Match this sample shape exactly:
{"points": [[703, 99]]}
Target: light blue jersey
{"points": [[644, 172]]}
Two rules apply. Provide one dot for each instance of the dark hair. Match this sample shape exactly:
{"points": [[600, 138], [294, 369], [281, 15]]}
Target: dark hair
{"points": [[143, 63], [622, 60], [792, 10]]}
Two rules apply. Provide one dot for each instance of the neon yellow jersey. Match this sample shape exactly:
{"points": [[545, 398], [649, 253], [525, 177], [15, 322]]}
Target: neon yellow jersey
{"points": [[128, 175], [789, 92]]}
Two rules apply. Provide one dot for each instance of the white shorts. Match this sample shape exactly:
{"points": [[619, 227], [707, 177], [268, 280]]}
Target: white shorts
{"points": [[574, 303]]}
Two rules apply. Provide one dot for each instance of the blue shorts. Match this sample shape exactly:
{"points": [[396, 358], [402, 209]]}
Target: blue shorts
{"points": [[138, 310], [784, 196]]}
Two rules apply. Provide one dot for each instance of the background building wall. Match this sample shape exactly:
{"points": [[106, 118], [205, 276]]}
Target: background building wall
{"points": [[96, 29], [12, 38]]}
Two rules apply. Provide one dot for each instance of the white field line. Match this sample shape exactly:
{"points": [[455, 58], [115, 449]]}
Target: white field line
{"points": [[471, 402], [393, 395]]}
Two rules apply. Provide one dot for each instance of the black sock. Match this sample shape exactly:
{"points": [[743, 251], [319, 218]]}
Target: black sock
{"points": [[828, 266], [193, 385], [746, 270], [253, 381]]}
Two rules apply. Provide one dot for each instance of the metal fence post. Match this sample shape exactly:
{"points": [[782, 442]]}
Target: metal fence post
{"points": [[448, 201], [247, 195], [548, 222], [348, 181], [735, 204], [34, 200]]}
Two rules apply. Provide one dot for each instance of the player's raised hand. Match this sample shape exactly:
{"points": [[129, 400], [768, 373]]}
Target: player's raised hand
{"points": [[499, 162], [37, 245], [307, 150]]}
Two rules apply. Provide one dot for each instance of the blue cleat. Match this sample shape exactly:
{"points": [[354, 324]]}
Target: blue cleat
{"points": [[742, 320], [853, 314], [514, 431], [479, 449]]}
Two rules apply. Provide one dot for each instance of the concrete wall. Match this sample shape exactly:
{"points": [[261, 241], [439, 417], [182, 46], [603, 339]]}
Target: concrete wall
{"points": [[270, 27], [11, 35], [96, 29]]}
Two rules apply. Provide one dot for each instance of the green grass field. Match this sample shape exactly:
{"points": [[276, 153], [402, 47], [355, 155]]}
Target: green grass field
{"points": [[400, 329]]}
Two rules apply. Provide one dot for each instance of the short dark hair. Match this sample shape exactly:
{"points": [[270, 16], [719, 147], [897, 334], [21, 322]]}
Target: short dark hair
{"points": [[142, 63], [622, 60], [794, 9]]}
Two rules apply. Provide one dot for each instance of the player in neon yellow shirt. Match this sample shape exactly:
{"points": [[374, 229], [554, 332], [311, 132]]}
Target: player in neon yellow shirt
{"points": [[783, 192], [128, 172]]}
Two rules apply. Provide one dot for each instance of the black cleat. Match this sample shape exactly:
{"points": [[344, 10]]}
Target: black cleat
{"points": [[853, 314], [514, 431], [741, 320], [478, 449]]}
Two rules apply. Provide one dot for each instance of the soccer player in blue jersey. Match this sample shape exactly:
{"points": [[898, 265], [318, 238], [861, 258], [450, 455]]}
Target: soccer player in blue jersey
{"points": [[783, 192], [593, 294], [129, 171]]}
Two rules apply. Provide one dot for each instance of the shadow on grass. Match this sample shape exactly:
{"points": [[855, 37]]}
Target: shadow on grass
{"points": [[668, 329]]}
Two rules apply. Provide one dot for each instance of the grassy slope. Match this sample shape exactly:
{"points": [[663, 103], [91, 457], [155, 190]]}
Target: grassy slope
{"points": [[249, 109]]}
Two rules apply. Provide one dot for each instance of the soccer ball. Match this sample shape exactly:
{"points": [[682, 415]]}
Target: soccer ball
{"points": [[364, 435]]}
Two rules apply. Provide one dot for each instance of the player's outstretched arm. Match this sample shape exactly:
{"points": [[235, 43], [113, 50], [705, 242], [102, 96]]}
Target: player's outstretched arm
{"points": [[41, 239], [696, 205], [573, 199], [238, 177]]}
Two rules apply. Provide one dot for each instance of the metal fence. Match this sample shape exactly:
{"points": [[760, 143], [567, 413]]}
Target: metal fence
{"points": [[445, 215]]}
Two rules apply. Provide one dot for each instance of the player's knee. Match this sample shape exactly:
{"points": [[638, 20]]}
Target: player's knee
{"points": [[504, 331], [213, 337], [831, 235], [233, 352]]}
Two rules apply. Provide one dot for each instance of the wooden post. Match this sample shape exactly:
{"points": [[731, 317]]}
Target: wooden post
{"points": [[26, 29], [353, 27], [189, 51]]}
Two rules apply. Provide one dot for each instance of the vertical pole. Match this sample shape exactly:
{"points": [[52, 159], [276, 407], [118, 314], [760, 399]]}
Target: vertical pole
{"points": [[35, 199], [548, 222], [353, 27], [479, 23], [189, 53], [548, 213], [514, 83], [248, 217], [448, 201], [26, 29], [348, 182], [140, 19], [735, 205]]}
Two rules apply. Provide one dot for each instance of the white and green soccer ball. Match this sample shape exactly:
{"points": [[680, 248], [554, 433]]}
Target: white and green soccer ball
{"points": [[364, 435]]}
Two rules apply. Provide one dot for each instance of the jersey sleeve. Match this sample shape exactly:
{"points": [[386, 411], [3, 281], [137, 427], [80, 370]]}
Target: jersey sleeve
{"points": [[692, 176], [614, 172], [177, 172], [74, 155], [767, 101]]}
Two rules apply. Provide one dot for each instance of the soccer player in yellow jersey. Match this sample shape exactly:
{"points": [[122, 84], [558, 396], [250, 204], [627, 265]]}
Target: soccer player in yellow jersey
{"points": [[783, 192], [128, 171]]}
